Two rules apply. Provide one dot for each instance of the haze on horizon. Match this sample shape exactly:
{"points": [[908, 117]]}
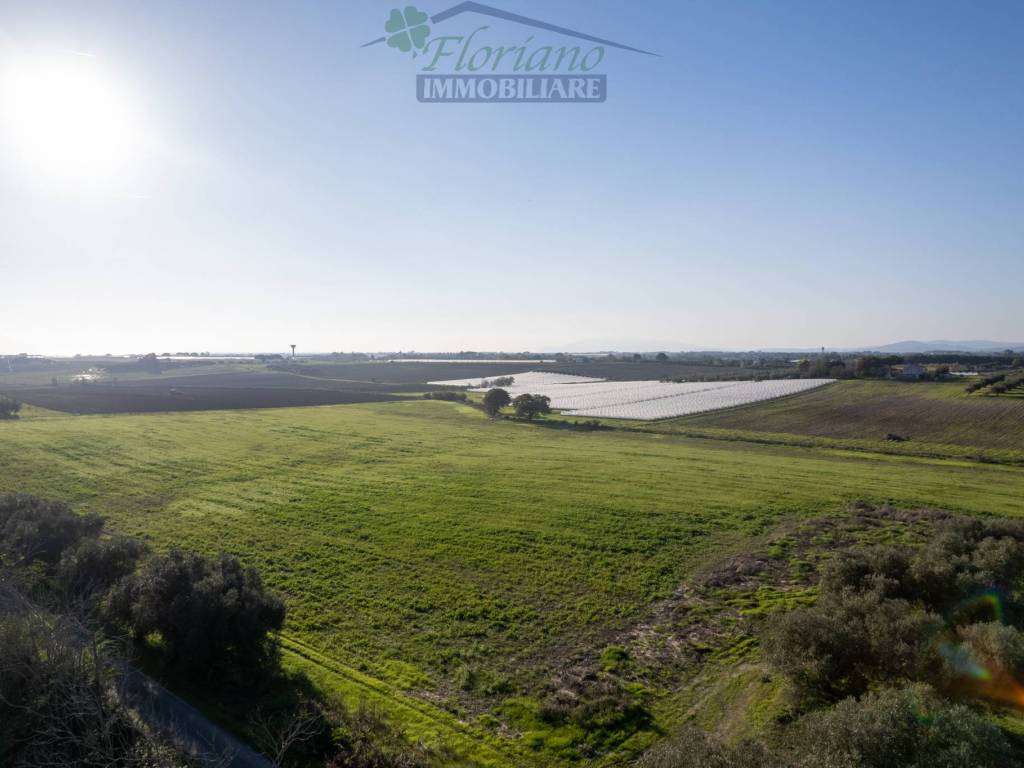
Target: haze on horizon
{"points": [[234, 177]]}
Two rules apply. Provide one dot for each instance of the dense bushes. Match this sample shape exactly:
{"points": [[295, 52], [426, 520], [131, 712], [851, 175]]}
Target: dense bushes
{"points": [[450, 395], [95, 565], [211, 614], [58, 705], [34, 529], [692, 748], [909, 727], [887, 614], [889, 665]]}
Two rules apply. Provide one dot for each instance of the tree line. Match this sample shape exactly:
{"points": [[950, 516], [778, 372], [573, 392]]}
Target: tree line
{"points": [[525, 406]]}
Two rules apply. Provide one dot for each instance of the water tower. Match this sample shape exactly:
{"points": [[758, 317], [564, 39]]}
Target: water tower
{"points": [[293, 351]]}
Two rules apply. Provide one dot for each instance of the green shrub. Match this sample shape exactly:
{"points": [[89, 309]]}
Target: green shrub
{"points": [[886, 614], [449, 395], [908, 728], [893, 728], [34, 529], [95, 565], [692, 748]]}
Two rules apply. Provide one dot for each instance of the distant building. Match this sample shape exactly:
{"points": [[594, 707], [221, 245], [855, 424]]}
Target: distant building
{"points": [[911, 372]]}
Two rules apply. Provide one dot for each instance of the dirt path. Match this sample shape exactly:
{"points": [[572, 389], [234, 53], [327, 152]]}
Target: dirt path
{"points": [[184, 726]]}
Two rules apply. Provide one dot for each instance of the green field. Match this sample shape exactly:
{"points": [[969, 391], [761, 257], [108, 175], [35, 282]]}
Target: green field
{"points": [[446, 566]]}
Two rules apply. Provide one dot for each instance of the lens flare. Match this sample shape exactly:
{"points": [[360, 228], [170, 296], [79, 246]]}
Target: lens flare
{"points": [[975, 678], [991, 599], [960, 658]]}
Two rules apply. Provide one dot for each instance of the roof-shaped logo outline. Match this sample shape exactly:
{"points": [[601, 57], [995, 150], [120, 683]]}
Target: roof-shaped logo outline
{"points": [[497, 13]]}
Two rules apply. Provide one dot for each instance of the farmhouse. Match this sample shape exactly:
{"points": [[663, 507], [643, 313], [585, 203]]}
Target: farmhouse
{"points": [[911, 372]]}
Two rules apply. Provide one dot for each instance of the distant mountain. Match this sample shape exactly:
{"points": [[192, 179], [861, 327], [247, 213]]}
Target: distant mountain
{"points": [[630, 345], [981, 345], [898, 347]]}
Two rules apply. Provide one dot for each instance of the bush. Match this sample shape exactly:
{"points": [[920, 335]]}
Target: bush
{"points": [[893, 728], [886, 614], [448, 395], [908, 728], [838, 647], [95, 565], [57, 704], [692, 748], [9, 407], [605, 713], [34, 529], [212, 614], [997, 646]]}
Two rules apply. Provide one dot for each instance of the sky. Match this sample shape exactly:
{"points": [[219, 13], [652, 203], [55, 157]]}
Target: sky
{"points": [[239, 176]]}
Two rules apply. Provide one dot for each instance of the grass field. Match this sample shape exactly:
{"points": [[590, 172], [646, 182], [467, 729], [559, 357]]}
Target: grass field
{"points": [[447, 566]]}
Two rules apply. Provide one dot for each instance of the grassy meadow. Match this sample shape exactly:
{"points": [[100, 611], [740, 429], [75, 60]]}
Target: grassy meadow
{"points": [[446, 567]]}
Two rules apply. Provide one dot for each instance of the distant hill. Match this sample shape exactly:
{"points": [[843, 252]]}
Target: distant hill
{"points": [[898, 347], [903, 347], [629, 345]]}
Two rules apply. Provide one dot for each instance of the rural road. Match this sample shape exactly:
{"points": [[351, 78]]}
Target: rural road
{"points": [[184, 726]]}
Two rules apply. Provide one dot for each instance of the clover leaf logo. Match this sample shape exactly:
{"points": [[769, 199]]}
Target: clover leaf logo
{"points": [[407, 31]]}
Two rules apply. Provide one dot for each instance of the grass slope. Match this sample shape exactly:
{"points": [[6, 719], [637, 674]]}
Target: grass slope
{"points": [[415, 540]]}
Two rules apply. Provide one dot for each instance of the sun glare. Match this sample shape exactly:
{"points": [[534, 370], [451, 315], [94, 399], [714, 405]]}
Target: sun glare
{"points": [[64, 118]]}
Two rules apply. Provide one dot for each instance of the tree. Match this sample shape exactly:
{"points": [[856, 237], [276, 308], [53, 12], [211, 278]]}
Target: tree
{"points": [[529, 406], [212, 614], [9, 407], [495, 400], [661, 357]]}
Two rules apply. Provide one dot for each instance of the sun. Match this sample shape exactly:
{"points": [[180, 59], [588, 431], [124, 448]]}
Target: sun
{"points": [[65, 118]]}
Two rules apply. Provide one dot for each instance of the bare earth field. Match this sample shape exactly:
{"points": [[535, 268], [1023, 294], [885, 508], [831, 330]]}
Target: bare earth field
{"points": [[930, 412]]}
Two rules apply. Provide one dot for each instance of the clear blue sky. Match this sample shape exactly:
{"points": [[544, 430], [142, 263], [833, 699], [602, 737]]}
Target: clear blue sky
{"points": [[784, 174]]}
